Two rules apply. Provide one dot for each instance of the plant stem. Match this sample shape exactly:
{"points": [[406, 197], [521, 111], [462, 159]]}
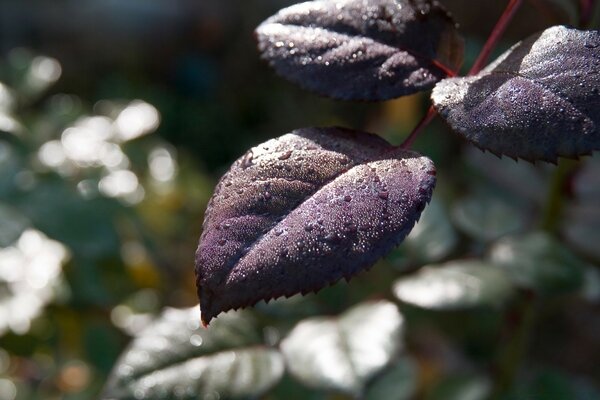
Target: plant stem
{"points": [[520, 321], [408, 142], [556, 199], [499, 29]]}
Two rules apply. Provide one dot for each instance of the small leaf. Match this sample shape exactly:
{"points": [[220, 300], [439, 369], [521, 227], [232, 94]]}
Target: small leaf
{"points": [[538, 101], [399, 383], [174, 358], [539, 262], [485, 217], [433, 237], [343, 353], [362, 50], [303, 211], [454, 286]]}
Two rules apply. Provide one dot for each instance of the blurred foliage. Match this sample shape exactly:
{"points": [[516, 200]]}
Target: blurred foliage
{"points": [[101, 199]]}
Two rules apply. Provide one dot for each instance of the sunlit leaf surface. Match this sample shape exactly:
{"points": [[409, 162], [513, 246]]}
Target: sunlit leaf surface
{"points": [[297, 213], [174, 358], [362, 50], [538, 101], [454, 286], [344, 353]]}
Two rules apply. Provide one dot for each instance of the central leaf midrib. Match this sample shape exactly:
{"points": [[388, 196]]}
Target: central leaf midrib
{"points": [[300, 204]]}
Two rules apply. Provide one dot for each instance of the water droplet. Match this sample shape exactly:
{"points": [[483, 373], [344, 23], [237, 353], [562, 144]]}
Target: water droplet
{"points": [[285, 155], [268, 196], [222, 242], [347, 198], [384, 195]]}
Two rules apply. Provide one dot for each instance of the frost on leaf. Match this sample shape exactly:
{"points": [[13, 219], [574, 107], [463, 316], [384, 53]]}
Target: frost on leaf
{"points": [[302, 211], [538, 101], [362, 50]]}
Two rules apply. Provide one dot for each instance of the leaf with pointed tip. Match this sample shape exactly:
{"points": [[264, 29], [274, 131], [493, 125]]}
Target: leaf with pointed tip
{"points": [[362, 50], [344, 353], [302, 211], [455, 285], [175, 358], [538, 101]]}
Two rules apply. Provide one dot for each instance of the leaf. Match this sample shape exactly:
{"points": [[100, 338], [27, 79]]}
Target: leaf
{"points": [[538, 101], [399, 383], [461, 387], [305, 210], [344, 353], [539, 262], [362, 50], [175, 358], [581, 228], [12, 225], [455, 285], [485, 217], [433, 237]]}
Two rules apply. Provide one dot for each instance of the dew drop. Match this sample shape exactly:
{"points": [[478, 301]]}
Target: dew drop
{"points": [[384, 195], [347, 198], [285, 155]]}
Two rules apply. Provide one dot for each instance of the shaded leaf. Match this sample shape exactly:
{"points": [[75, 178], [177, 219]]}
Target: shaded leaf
{"points": [[362, 50], [485, 217], [12, 225], [176, 359], [461, 388], [539, 262], [343, 353], [304, 210], [538, 101], [454, 286], [433, 237], [399, 383], [581, 228]]}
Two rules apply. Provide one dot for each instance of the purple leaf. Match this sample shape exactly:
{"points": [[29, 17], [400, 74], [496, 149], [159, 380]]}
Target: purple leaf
{"points": [[538, 101], [297, 213], [362, 50]]}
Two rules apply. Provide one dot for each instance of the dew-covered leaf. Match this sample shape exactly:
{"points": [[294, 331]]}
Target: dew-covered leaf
{"points": [[362, 50], [539, 262], [538, 101], [343, 353], [398, 383], [297, 213], [174, 358], [455, 285], [485, 217]]}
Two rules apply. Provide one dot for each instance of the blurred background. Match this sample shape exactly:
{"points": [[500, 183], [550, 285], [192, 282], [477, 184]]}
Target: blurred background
{"points": [[118, 117]]}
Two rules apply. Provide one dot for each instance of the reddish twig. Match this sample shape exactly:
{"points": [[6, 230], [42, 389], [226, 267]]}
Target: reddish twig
{"points": [[408, 142], [499, 29]]}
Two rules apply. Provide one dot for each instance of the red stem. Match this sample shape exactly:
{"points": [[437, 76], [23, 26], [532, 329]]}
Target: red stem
{"points": [[408, 142], [499, 29]]}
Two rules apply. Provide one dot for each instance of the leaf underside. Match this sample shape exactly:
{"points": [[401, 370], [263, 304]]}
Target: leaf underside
{"points": [[304, 210], [362, 50], [538, 101]]}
